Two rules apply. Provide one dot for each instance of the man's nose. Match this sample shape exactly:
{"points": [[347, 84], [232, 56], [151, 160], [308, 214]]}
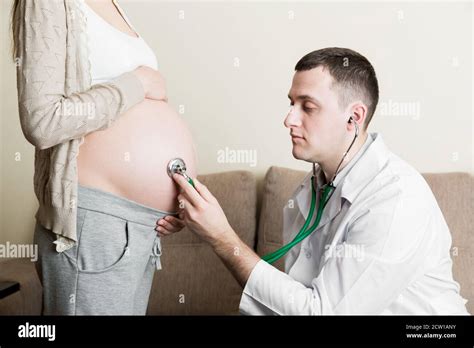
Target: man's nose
{"points": [[292, 119]]}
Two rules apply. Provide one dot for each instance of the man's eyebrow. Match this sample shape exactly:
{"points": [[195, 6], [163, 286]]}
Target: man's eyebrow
{"points": [[306, 97]]}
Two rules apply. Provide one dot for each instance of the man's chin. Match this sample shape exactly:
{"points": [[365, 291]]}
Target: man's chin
{"points": [[301, 155]]}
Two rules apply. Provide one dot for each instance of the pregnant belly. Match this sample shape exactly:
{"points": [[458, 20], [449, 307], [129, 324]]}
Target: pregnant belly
{"points": [[129, 159]]}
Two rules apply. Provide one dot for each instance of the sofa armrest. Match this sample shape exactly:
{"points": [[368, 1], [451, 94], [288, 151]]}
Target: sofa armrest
{"points": [[28, 300]]}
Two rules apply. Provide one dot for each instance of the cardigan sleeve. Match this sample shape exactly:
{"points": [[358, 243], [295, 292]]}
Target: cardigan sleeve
{"points": [[48, 117]]}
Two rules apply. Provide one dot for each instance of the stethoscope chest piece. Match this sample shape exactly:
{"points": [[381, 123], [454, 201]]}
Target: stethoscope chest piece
{"points": [[177, 165]]}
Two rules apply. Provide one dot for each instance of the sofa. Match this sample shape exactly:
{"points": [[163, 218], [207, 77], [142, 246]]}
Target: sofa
{"points": [[194, 281]]}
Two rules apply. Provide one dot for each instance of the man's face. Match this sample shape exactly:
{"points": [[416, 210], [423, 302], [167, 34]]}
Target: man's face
{"points": [[317, 123]]}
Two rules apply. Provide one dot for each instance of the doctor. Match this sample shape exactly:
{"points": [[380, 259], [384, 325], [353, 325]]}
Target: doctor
{"points": [[382, 245]]}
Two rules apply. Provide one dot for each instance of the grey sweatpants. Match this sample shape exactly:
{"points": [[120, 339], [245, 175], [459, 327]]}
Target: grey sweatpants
{"points": [[110, 269]]}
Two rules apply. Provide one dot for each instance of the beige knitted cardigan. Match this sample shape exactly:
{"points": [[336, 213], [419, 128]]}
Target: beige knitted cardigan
{"points": [[58, 106]]}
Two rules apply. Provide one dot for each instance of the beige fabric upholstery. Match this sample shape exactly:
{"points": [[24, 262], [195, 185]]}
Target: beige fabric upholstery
{"points": [[455, 195], [280, 183]]}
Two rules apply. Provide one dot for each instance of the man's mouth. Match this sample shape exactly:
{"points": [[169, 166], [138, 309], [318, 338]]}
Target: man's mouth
{"points": [[295, 137]]}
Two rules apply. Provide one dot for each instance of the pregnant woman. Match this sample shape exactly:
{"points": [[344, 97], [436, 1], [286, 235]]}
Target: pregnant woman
{"points": [[94, 106]]}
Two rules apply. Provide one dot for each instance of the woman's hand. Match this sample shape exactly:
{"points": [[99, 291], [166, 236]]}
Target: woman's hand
{"points": [[153, 83], [168, 225]]}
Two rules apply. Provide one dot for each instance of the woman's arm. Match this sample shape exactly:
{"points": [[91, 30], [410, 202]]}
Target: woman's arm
{"points": [[47, 116]]}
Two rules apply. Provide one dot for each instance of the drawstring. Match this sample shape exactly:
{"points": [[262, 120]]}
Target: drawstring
{"points": [[156, 251]]}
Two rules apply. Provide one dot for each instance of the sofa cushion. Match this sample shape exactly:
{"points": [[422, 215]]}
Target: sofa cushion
{"points": [[453, 191], [193, 279], [279, 186]]}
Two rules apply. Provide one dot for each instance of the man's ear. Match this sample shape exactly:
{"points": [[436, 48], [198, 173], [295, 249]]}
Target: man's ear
{"points": [[358, 111]]}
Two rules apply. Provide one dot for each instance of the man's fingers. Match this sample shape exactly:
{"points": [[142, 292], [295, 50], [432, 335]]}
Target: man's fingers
{"points": [[185, 205], [184, 201], [197, 194], [203, 190], [192, 194]]}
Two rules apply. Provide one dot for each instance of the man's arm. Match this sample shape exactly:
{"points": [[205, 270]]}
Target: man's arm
{"points": [[202, 213], [237, 256], [393, 237], [385, 249], [267, 290]]}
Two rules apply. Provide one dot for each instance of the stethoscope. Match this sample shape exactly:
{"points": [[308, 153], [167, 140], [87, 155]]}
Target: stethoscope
{"points": [[327, 191], [177, 165]]}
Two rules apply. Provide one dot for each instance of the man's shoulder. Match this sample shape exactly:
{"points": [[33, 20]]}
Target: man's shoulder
{"points": [[407, 175], [399, 179]]}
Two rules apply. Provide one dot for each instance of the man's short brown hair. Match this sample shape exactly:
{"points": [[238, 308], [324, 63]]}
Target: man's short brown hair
{"points": [[353, 75]]}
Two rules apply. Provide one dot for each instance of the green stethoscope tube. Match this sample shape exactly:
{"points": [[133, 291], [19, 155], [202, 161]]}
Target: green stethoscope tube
{"points": [[191, 182], [304, 231]]}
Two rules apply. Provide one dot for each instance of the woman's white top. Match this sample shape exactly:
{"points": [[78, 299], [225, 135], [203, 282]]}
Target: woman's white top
{"points": [[111, 51]]}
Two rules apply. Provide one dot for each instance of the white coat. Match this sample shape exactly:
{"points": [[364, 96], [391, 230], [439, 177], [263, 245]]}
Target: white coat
{"points": [[382, 247]]}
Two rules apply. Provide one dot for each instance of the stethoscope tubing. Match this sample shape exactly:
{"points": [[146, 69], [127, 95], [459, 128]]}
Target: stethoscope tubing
{"points": [[328, 190]]}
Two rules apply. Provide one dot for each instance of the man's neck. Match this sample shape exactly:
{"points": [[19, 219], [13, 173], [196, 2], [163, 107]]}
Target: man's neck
{"points": [[330, 167]]}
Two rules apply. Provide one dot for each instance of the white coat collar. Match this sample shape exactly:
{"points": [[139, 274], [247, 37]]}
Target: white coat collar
{"points": [[349, 182]]}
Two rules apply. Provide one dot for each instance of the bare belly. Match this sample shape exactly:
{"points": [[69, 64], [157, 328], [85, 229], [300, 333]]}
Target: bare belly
{"points": [[129, 159]]}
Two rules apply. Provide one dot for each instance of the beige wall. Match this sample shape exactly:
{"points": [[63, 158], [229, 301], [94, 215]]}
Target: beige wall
{"points": [[229, 66]]}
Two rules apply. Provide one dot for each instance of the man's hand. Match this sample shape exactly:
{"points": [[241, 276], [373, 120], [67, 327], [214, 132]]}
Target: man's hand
{"points": [[201, 211]]}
